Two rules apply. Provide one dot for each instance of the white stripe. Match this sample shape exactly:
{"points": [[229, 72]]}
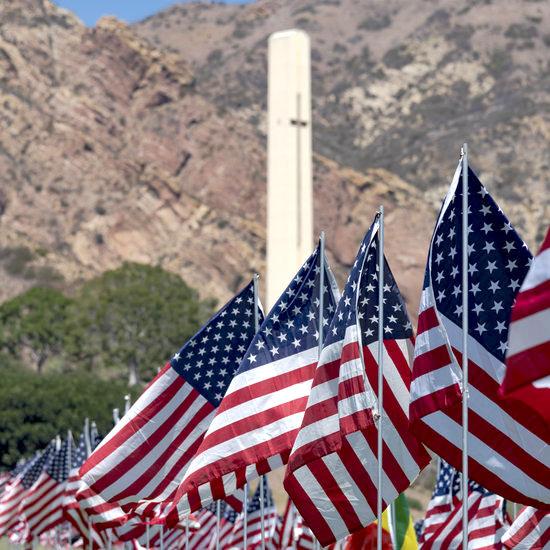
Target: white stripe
{"points": [[252, 407], [273, 369], [433, 381], [157, 387], [529, 332], [314, 431], [539, 272], [162, 471], [320, 499], [542, 383], [240, 443], [488, 457]]}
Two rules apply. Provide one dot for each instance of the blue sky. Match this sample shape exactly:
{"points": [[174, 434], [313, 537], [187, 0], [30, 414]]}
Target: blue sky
{"points": [[128, 10]]}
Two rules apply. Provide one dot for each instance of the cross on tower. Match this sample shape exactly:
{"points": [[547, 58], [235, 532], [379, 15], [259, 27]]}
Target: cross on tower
{"points": [[300, 124]]}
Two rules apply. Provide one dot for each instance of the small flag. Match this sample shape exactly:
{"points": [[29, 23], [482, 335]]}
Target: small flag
{"points": [[530, 530]]}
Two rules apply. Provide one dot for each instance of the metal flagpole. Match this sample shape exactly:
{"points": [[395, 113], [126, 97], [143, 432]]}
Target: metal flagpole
{"points": [[218, 521], [90, 537], [320, 330], [161, 536], [147, 541], [465, 392], [245, 504], [379, 510]]}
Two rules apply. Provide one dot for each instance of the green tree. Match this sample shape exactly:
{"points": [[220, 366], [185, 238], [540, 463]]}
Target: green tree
{"points": [[35, 408], [136, 317], [32, 325]]}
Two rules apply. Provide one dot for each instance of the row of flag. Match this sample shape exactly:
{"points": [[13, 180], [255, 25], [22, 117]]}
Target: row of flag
{"points": [[299, 387]]}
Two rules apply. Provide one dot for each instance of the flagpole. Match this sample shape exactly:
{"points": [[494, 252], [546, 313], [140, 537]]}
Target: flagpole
{"points": [[218, 520], [90, 537], [465, 392], [161, 536], [262, 509], [147, 541], [187, 532], [380, 440], [320, 330]]}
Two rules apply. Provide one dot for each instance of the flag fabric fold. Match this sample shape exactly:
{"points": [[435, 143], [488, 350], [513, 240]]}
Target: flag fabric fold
{"points": [[256, 423], [332, 471], [527, 377], [141, 462], [530, 530]]}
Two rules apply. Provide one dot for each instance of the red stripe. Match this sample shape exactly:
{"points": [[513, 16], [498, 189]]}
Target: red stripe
{"points": [[436, 401], [172, 450], [401, 362], [240, 428], [427, 320], [531, 301], [141, 418], [537, 358], [453, 455], [431, 360], [307, 509], [267, 386]]}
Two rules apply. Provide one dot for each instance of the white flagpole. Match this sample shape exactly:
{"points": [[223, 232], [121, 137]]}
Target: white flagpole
{"points": [[161, 536], [245, 504], [147, 540], [380, 441], [90, 537], [218, 521], [465, 391], [320, 330]]}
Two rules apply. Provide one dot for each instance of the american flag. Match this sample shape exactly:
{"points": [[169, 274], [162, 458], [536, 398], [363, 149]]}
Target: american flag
{"points": [[284, 534], [144, 457], [332, 472], [42, 506], [447, 486], [260, 415], [227, 524], [508, 446], [530, 530], [303, 535], [71, 509], [485, 524], [12, 498], [254, 533], [527, 375], [201, 538]]}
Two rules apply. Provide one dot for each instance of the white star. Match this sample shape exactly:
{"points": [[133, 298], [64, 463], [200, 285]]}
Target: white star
{"points": [[439, 239], [507, 227], [439, 277], [303, 329], [252, 358], [176, 356], [452, 253], [454, 271], [488, 247], [478, 309], [511, 265], [388, 329], [514, 284], [481, 328], [274, 351], [439, 258], [475, 289], [497, 307], [485, 210], [501, 325], [494, 286], [458, 310], [392, 319], [472, 268], [290, 323], [491, 266], [503, 346], [369, 332], [347, 301], [370, 287], [260, 344], [311, 316], [486, 228], [296, 343], [509, 246], [282, 337], [456, 291], [440, 295], [209, 373]]}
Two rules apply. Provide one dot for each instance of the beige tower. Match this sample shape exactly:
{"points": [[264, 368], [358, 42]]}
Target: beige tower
{"points": [[289, 187]]}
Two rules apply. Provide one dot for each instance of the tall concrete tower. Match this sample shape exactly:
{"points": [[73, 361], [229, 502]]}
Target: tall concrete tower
{"points": [[289, 185]]}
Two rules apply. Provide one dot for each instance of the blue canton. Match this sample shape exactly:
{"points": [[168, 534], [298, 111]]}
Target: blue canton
{"points": [[230, 514], [209, 360], [498, 261], [60, 465], [293, 322], [254, 503], [80, 455], [37, 466], [359, 300]]}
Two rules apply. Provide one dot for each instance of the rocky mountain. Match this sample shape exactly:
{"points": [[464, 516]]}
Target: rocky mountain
{"points": [[147, 143]]}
